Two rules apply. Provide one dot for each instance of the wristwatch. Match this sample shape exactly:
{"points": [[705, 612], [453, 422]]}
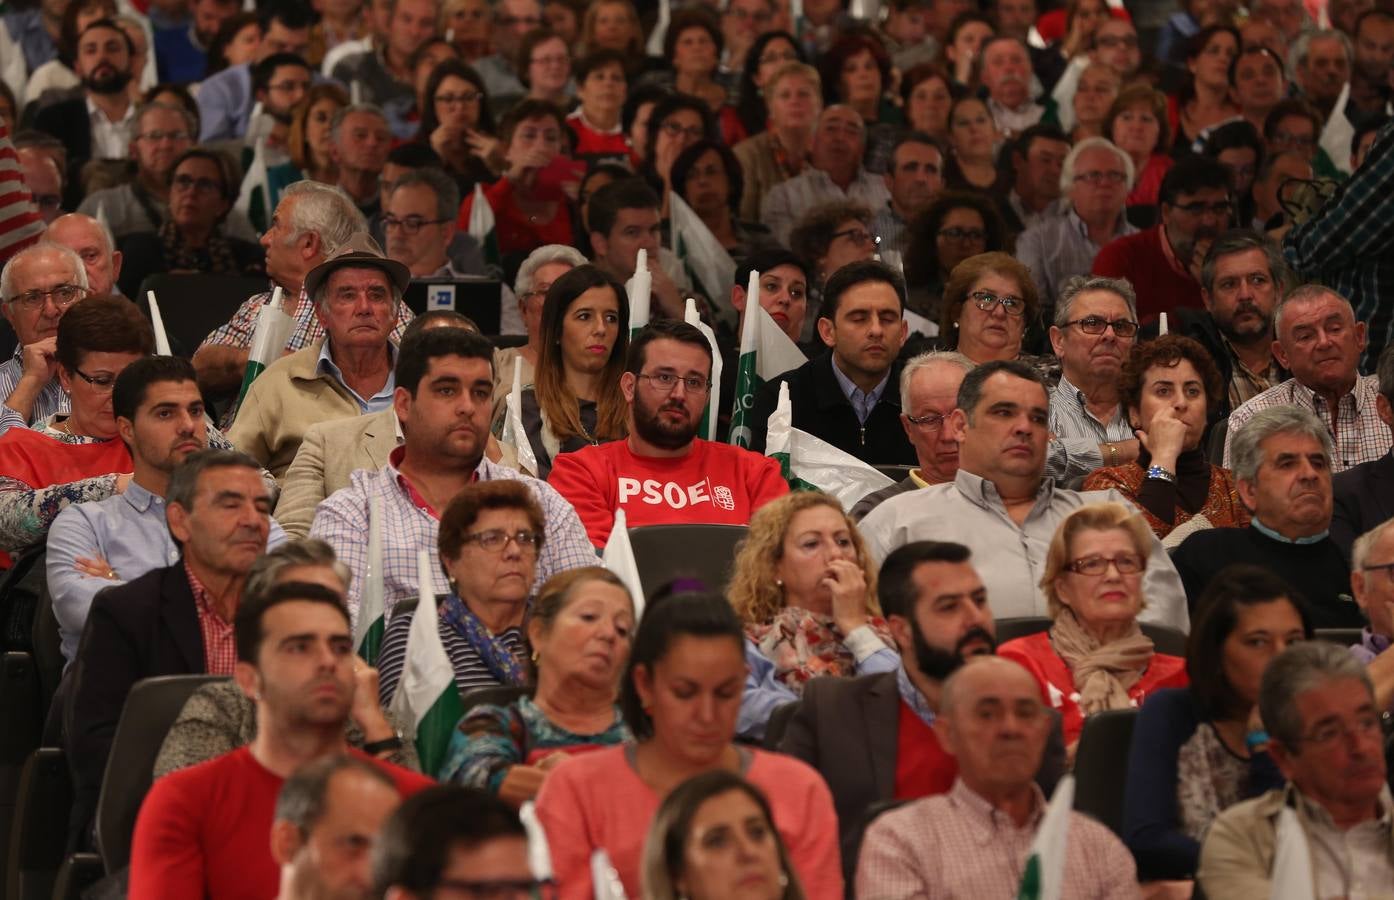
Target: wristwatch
{"points": [[374, 748]]}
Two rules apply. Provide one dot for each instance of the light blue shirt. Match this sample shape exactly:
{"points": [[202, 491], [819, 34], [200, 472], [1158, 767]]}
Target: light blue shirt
{"points": [[128, 530], [225, 104], [376, 403], [863, 402], [1269, 532]]}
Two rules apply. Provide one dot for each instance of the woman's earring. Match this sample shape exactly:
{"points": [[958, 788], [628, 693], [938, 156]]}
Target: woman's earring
{"points": [[783, 879]]}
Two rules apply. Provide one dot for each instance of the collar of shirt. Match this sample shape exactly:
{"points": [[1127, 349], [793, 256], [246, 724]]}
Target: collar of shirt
{"points": [[863, 402], [1066, 389], [1311, 397], [1170, 254], [1268, 375], [1375, 643], [201, 598], [986, 819], [325, 365], [96, 114], [912, 697], [1081, 228], [983, 493], [140, 498], [394, 462], [1270, 533], [580, 116], [1314, 812]]}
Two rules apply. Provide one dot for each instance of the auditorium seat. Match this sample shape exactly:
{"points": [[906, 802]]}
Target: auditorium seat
{"points": [[1101, 766], [40, 836], [193, 305], [1167, 640], [779, 723], [1343, 636], [666, 552]]}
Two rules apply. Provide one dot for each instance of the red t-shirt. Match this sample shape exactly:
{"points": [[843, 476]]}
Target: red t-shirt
{"points": [[922, 768], [1036, 653], [1140, 259], [714, 484], [205, 831]]}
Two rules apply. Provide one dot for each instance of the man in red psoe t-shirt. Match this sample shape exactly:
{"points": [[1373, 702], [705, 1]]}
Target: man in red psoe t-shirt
{"points": [[663, 473], [205, 831]]}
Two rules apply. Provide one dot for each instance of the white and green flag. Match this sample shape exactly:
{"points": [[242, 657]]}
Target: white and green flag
{"points": [[481, 226], [427, 703], [157, 323], [1291, 875], [1045, 862], [766, 353], [812, 464], [618, 557], [605, 879], [707, 430], [371, 624], [257, 179], [513, 431], [274, 326], [639, 288], [709, 263]]}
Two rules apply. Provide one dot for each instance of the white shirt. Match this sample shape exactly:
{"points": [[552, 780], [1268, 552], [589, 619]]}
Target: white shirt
{"points": [[110, 140]]}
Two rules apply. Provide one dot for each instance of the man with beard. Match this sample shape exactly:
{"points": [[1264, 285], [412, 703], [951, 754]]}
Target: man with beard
{"points": [[279, 83], [914, 177], [1374, 58], [663, 473], [873, 738], [101, 123], [1163, 263], [225, 100], [203, 831]]}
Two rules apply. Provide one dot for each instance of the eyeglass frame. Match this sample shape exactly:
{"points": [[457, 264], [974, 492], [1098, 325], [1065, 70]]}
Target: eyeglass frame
{"points": [[97, 382], [37, 296], [930, 422], [1106, 324], [1076, 565], [986, 300], [854, 235], [408, 226], [657, 379], [526, 539]]}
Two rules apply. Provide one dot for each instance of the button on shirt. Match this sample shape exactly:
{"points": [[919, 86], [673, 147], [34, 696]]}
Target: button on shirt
{"points": [[52, 399], [1359, 436], [110, 140], [376, 403], [1356, 862], [863, 402], [219, 646], [1057, 248]]}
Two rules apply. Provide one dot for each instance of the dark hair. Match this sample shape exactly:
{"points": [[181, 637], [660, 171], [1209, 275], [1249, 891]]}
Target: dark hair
{"points": [[582, 68], [305, 794], [1365, 127], [445, 189], [912, 137], [102, 324], [922, 259], [448, 317], [735, 178], [687, 19], [217, 48], [1284, 109], [751, 108], [186, 99], [895, 584], [967, 17], [665, 330], [1168, 351], [1254, 50], [531, 108], [522, 59], [971, 390], [246, 622], [1195, 46], [475, 498], [1191, 174], [417, 350], [960, 283], [846, 47], [111, 25], [1234, 135], [559, 405], [769, 258], [443, 70], [67, 28], [1372, 11], [666, 107], [606, 203], [813, 232], [670, 615], [134, 381], [641, 94], [294, 16], [1217, 613], [1021, 146], [416, 842], [265, 70], [183, 481], [1141, 94], [227, 169], [414, 155], [924, 72], [861, 272]]}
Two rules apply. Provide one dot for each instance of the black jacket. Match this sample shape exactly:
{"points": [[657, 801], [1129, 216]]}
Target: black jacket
{"points": [[68, 121], [1362, 497], [821, 409]]}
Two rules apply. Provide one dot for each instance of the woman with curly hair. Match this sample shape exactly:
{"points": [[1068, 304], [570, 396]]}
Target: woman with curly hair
{"points": [[829, 237], [956, 226], [804, 585]]}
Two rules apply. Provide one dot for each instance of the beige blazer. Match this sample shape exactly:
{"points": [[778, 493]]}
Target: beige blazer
{"points": [[328, 455]]}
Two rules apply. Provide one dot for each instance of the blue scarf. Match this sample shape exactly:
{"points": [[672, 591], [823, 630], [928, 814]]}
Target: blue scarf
{"points": [[499, 660]]}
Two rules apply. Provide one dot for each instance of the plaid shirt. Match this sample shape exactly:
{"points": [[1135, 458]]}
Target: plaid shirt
{"points": [[219, 648], [1359, 435], [238, 331], [410, 526]]}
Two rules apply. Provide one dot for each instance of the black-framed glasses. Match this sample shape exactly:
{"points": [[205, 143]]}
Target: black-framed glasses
{"points": [[103, 383], [201, 185], [63, 296], [1386, 568], [464, 97], [1093, 566], [409, 225], [858, 236], [929, 421], [666, 381], [1366, 725], [674, 129], [1123, 328], [963, 235], [1098, 178], [495, 539], [1011, 304]]}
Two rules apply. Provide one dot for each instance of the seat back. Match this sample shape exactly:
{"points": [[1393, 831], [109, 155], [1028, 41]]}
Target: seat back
{"points": [[1014, 627], [48, 646], [40, 834], [1101, 766], [1215, 450], [666, 552], [19, 735], [778, 724], [151, 708], [1343, 636], [193, 305], [1166, 639]]}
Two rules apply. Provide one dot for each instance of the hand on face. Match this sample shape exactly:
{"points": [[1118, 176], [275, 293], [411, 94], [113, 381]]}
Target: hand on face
{"points": [[846, 582], [1164, 437]]}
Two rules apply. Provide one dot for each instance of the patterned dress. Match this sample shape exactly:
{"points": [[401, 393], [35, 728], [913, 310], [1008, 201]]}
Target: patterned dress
{"points": [[492, 739]]}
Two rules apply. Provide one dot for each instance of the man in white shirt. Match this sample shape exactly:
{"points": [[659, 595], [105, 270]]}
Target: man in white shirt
{"points": [[1006, 74]]}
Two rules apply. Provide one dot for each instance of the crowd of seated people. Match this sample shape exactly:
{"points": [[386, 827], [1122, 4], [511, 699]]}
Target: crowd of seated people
{"points": [[704, 450]]}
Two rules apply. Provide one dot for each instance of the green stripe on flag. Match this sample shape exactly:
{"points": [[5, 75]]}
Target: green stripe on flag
{"points": [[747, 383], [254, 368], [371, 645], [795, 482], [1031, 879], [434, 729]]}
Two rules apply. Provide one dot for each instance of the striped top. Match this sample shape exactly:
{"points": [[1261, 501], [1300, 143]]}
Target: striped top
{"points": [[470, 670], [20, 224]]}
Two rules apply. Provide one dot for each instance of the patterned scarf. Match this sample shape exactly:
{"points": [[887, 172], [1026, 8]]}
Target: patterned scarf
{"points": [[804, 645], [216, 259], [499, 660]]}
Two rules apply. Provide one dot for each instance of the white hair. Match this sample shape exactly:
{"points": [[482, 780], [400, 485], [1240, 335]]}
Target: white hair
{"points": [[1067, 171], [325, 210], [547, 253], [8, 290], [924, 360]]}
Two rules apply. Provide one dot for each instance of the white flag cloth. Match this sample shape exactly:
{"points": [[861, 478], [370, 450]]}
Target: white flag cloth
{"points": [[427, 703], [639, 289], [810, 463], [619, 558], [1045, 861], [766, 353], [1291, 875], [698, 248], [257, 177], [539, 851], [660, 29], [605, 881], [157, 322], [713, 409], [513, 431], [273, 329], [482, 226]]}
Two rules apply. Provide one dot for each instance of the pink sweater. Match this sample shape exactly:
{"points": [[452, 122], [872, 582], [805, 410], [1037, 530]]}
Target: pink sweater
{"points": [[598, 800]]}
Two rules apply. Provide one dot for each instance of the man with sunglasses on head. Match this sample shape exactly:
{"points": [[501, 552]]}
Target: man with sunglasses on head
{"points": [[663, 473], [1163, 262], [37, 286]]}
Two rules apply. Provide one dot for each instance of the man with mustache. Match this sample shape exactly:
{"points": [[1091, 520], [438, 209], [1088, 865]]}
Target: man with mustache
{"points": [[872, 738], [1163, 263], [663, 473], [848, 395], [1006, 76], [1318, 707], [914, 177], [1282, 470], [1320, 342]]}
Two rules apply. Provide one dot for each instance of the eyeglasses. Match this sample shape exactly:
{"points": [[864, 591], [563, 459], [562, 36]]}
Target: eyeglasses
{"points": [[155, 137], [666, 381], [103, 383], [558, 59], [200, 185], [1365, 726], [673, 129], [410, 225], [1094, 566], [1011, 305], [1098, 178], [63, 296], [858, 236], [1288, 139], [512, 21], [1123, 328], [930, 422], [1200, 208], [498, 890], [464, 97], [964, 235], [495, 539], [771, 58]]}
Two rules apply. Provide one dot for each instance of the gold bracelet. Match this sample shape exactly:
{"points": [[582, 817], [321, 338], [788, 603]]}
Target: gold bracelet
{"points": [[1112, 454]]}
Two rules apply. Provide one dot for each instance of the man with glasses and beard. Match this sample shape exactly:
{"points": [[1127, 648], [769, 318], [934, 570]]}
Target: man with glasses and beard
{"points": [[872, 738], [663, 473]]}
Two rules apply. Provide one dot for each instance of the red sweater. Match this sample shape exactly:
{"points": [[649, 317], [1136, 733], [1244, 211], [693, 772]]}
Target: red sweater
{"points": [[1140, 259], [714, 484], [1058, 685], [515, 231], [205, 831], [598, 800]]}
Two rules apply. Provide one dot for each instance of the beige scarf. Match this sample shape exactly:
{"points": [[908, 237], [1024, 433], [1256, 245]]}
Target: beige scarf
{"points": [[1103, 673]]}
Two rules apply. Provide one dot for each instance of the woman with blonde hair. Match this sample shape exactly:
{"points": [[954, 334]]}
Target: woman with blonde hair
{"points": [[1094, 656]]}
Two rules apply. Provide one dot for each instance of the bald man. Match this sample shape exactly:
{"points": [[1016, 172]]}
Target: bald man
{"points": [[91, 241]]}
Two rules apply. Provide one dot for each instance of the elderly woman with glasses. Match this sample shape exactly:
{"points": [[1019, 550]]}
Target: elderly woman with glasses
{"points": [[1094, 656], [989, 302]]}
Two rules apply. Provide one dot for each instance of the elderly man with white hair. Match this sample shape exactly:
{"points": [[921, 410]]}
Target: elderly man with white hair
{"points": [[37, 286], [93, 243], [1095, 181]]}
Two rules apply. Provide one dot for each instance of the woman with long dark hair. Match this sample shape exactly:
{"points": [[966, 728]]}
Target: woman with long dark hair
{"points": [[770, 51], [457, 124]]}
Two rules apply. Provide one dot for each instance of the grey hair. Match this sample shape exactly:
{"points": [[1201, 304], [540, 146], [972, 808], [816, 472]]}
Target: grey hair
{"points": [[1298, 669], [336, 124], [925, 360], [1363, 544], [305, 794], [266, 571], [8, 291], [547, 253], [1301, 294], [1384, 370], [442, 185], [1302, 48], [155, 106], [324, 210], [1067, 171], [1246, 445], [1242, 241], [1081, 284], [183, 482]]}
